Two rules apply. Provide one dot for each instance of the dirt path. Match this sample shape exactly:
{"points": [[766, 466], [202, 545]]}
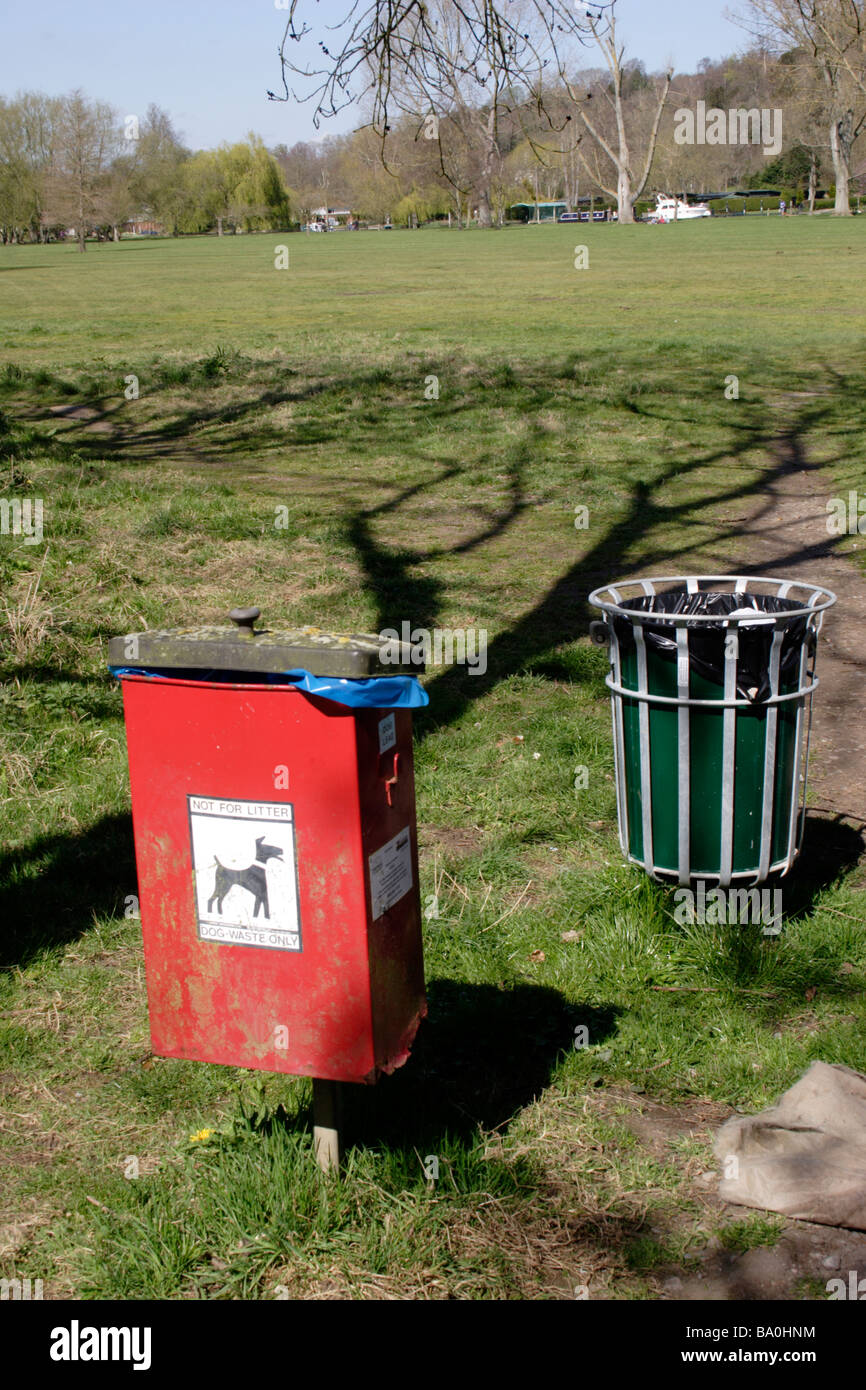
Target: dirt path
{"points": [[788, 536]]}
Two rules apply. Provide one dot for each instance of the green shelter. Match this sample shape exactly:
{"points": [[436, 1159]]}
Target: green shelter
{"points": [[537, 212]]}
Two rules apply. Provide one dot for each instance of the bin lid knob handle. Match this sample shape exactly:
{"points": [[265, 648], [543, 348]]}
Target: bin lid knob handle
{"points": [[245, 619]]}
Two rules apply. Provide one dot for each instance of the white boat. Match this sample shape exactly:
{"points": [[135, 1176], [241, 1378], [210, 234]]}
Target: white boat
{"points": [[675, 210]]}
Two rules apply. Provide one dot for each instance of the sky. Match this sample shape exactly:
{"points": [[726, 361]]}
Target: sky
{"points": [[209, 63]]}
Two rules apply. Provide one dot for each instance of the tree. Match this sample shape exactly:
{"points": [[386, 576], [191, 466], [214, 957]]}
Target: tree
{"points": [[829, 36], [201, 195], [799, 87], [115, 203], [86, 142], [394, 44], [626, 114], [458, 109], [258, 198], [375, 188], [156, 180], [749, 80], [306, 173], [461, 110], [837, 29], [238, 184]]}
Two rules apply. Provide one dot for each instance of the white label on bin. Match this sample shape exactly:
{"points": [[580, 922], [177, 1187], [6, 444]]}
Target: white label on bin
{"points": [[683, 672], [387, 733], [245, 872], [391, 873]]}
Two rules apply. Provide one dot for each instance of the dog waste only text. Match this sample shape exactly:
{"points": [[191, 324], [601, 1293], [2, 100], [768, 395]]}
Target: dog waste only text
{"points": [[245, 872]]}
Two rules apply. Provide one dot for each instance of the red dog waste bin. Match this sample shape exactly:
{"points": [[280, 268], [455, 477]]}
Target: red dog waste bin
{"points": [[273, 809]]}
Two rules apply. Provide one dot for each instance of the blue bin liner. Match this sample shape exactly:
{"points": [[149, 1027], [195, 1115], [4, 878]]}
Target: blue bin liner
{"points": [[374, 692]]}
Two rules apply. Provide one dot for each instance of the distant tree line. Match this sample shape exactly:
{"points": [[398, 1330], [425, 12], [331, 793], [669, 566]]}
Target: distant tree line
{"points": [[68, 164]]}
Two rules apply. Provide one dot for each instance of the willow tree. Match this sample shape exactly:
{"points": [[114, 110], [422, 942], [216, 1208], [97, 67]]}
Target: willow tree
{"points": [[240, 185]]}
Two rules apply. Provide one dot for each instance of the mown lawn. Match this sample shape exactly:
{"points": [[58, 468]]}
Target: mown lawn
{"points": [[309, 395]]}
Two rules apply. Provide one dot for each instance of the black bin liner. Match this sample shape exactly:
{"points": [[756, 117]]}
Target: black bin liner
{"points": [[707, 640]]}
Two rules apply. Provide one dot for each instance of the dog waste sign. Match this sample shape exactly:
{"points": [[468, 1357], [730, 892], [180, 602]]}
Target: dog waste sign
{"points": [[245, 874]]}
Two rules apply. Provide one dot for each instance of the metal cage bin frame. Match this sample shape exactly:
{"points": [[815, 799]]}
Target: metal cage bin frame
{"points": [[709, 784]]}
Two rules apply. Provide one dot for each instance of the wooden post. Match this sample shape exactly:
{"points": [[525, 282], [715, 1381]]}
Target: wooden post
{"points": [[326, 1124]]}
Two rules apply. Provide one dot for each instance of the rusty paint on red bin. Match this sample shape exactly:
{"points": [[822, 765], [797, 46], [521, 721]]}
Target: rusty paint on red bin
{"points": [[278, 877]]}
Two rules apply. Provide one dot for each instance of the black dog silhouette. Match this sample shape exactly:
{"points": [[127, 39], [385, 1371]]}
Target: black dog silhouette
{"points": [[254, 879]]}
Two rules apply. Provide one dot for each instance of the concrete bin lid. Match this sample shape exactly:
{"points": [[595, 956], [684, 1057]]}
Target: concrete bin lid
{"points": [[263, 650]]}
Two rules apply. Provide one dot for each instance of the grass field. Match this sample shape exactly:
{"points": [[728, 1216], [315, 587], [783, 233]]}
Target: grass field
{"points": [[307, 389]]}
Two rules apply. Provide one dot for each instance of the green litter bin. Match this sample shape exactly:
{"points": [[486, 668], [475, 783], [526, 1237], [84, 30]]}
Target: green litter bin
{"points": [[711, 681]]}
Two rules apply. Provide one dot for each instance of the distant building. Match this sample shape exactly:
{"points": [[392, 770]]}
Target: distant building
{"points": [[142, 226], [332, 218], [537, 212]]}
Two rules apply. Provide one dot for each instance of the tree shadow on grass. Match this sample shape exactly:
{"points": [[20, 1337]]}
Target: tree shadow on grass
{"points": [[391, 575], [324, 410], [562, 614]]}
